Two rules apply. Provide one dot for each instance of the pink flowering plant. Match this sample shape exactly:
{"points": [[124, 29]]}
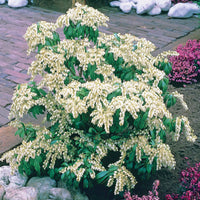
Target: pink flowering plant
{"points": [[186, 66], [153, 195], [189, 184]]}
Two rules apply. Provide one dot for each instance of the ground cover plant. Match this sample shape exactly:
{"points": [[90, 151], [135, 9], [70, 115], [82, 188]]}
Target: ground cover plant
{"points": [[106, 99], [186, 66], [152, 195], [189, 184]]}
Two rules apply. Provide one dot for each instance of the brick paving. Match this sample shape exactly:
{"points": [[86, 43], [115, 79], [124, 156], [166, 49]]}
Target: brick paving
{"points": [[161, 30]]}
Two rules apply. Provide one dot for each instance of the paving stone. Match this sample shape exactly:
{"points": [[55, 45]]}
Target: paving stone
{"points": [[8, 106], [16, 74], [7, 83], [4, 102], [5, 95], [4, 112], [3, 121], [23, 65], [17, 69], [6, 89], [2, 75], [16, 80], [8, 138]]}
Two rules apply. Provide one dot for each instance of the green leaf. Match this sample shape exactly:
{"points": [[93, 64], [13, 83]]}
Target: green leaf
{"points": [[48, 116], [53, 142], [20, 132], [92, 130], [116, 93], [134, 47], [162, 135], [48, 42], [149, 168], [56, 37], [171, 100], [85, 183], [167, 68], [96, 33], [37, 166], [54, 127], [153, 135], [137, 122], [101, 174], [83, 92], [163, 84], [110, 58], [120, 61], [70, 31], [115, 137], [143, 119], [40, 46], [129, 165], [117, 37], [36, 110], [166, 97], [132, 154], [112, 168], [42, 92], [142, 170], [51, 173], [167, 122], [91, 70], [128, 76], [47, 137]]}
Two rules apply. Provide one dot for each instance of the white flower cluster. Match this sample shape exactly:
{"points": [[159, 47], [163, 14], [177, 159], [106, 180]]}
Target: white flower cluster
{"points": [[37, 33], [86, 15], [22, 101], [123, 178]]}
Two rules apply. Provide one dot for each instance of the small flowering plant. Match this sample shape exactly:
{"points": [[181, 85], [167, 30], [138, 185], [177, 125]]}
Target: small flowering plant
{"points": [[106, 102], [189, 184], [153, 195], [186, 66]]}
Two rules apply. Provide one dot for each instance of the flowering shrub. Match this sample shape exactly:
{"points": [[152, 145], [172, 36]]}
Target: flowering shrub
{"points": [[186, 66], [189, 184], [153, 195], [105, 100]]}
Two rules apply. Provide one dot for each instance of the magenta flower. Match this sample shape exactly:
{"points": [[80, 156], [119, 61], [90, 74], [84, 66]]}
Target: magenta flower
{"points": [[189, 184], [186, 66], [153, 195]]}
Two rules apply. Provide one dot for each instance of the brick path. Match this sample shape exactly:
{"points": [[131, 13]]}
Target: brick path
{"points": [[161, 30]]}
